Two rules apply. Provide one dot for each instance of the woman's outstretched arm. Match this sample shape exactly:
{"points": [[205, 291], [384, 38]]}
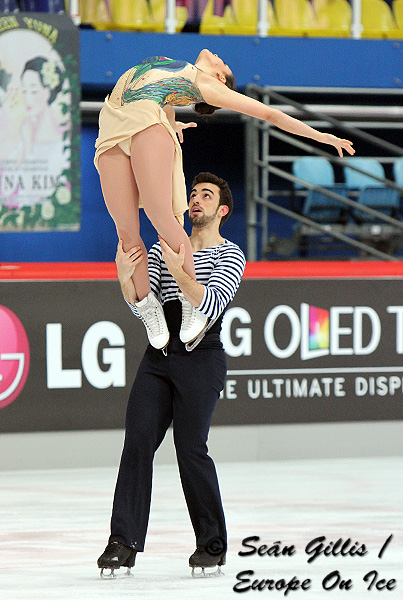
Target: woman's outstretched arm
{"points": [[217, 94]]}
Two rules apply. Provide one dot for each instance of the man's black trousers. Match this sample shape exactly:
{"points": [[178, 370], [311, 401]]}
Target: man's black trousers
{"points": [[182, 388]]}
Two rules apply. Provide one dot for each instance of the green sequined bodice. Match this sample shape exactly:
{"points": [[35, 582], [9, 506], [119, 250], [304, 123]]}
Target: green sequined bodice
{"points": [[171, 86]]}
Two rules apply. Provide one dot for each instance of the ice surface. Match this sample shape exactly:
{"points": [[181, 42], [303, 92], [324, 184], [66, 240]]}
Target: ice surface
{"points": [[55, 524]]}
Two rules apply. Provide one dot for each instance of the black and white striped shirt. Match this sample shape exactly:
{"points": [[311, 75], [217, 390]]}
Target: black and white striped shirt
{"points": [[219, 269]]}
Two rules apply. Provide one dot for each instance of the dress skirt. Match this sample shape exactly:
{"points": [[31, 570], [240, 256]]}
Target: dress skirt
{"points": [[118, 123]]}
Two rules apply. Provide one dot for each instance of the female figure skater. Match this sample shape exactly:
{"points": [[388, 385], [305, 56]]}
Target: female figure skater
{"points": [[139, 160]]}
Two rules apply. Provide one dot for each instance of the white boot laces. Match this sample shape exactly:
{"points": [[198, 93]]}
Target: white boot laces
{"points": [[188, 314], [152, 320]]}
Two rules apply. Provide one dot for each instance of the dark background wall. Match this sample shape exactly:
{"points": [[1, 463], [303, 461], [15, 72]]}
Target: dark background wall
{"points": [[307, 350]]}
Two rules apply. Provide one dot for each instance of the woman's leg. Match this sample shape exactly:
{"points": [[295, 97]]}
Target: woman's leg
{"points": [[122, 200], [152, 156]]}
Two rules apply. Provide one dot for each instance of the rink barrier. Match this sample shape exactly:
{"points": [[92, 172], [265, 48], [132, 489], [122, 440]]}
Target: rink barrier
{"points": [[306, 342], [254, 270]]}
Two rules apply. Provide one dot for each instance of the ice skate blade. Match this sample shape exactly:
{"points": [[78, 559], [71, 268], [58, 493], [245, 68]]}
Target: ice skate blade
{"points": [[203, 573], [112, 575], [164, 348], [192, 344]]}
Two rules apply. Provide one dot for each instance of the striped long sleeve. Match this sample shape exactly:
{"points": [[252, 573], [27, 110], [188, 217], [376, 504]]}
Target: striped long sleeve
{"points": [[223, 280], [219, 269]]}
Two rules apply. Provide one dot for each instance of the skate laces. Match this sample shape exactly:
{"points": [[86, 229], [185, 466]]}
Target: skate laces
{"points": [[151, 318], [188, 312]]}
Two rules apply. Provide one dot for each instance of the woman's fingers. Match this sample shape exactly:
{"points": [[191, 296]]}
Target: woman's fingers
{"points": [[341, 145], [348, 146], [181, 126]]}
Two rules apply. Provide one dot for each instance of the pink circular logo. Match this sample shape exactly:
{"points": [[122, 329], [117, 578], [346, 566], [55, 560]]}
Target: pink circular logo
{"points": [[14, 356]]}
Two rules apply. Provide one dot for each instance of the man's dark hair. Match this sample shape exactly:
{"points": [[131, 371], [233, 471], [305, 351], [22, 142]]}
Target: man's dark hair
{"points": [[225, 192]]}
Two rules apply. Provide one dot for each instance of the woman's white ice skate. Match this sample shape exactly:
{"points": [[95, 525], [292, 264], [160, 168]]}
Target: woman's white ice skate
{"points": [[193, 321], [152, 315]]}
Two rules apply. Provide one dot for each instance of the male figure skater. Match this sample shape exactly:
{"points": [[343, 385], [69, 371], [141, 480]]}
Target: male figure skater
{"points": [[177, 385]]}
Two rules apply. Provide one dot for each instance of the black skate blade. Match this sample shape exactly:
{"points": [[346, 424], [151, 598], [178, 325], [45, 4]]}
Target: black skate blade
{"points": [[110, 573], [200, 572]]}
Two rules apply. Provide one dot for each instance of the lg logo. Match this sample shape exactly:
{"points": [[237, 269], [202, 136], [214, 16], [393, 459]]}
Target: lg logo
{"points": [[14, 356], [59, 377]]}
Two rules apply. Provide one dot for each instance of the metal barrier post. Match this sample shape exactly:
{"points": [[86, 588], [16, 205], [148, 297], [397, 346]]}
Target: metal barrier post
{"points": [[356, 24], [262, 22], [75, 12], [258, 169], [170, 17]]}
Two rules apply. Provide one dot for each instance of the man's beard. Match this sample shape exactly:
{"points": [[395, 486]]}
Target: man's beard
{"points": [[200, 220]]}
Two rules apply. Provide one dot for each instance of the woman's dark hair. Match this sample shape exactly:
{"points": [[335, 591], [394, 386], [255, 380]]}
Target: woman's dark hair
{"points": [[225, 192], [36, 64], [204, 109]]}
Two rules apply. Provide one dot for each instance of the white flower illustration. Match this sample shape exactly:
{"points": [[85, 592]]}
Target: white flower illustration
{"points": [[50, 77], [47, 210], [20, 219], [63, 195]]}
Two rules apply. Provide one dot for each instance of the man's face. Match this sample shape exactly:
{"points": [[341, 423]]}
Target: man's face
{"points": [[204, 204]]}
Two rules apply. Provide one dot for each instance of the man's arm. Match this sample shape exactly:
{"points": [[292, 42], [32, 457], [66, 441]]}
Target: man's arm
{"points": [[126, 263], [223, 282], [189, 287]]}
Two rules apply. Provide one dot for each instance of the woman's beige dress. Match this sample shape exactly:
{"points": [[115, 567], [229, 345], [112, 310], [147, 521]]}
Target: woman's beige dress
{"points": [[136, 103]]}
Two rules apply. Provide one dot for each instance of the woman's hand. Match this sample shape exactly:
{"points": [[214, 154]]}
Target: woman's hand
{"points": [[338, 143], [179, 127], [126, 262]]}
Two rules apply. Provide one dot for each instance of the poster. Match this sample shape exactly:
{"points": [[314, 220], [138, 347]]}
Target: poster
{"points": [[40, 123]]}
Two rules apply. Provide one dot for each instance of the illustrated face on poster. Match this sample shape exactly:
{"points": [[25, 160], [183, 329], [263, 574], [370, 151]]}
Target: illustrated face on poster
{"points": [[36, 126]]}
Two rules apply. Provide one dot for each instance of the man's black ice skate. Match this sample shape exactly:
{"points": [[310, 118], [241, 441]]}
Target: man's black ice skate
{"points": [[115, 556], [203, 559]]}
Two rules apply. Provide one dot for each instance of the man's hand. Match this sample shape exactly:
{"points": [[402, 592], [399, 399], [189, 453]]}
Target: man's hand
{"points": [[126, 262], [191, 289], [173, 260]]}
